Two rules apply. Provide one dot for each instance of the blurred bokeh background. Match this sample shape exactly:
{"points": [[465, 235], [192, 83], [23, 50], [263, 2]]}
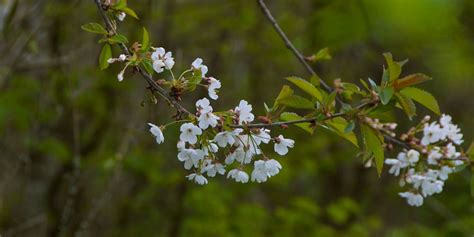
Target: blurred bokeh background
{"points": [[57, 107]]}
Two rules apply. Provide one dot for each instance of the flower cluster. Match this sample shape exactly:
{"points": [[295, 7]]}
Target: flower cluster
{"points": [[208, 146], [430, 160]]}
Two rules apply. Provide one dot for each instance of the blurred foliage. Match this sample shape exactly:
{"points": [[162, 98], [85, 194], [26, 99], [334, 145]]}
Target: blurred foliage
{"points": [[55, 104]]}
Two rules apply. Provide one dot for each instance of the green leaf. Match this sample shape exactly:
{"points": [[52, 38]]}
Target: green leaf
{"points": [[373, 143], [315, 80], [306, 87], [122, 39], [350, 127], [145, 41], [385, 76], [120, 5], [338, 126], [105, 54], [386, 94], [130, 12], [94, 28], [285, 92], [297, 102], [287, 116], [322, 54], [194, 80], [410, 80], [422, 97], [147, 65], [394, 68], [407, 104]]}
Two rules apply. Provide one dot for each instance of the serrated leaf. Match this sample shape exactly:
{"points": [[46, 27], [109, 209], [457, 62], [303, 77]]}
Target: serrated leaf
{"points": [[288, 116], [411, 80], [145, 40], [422, 97], [94, 28], [105, 54], [306, 87], [407, 104], [394, 68], [297, 102], [386, 94], [122, 39], [373, 143], [338, 125], [130, 12], [285, 92]]}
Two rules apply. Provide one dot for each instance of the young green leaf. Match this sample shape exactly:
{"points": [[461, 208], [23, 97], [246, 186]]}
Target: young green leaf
{"points": [[322, 54], [94, 28], [306, 87], [410, 80], [105, 54], [338, 126], [386, 94], [120, 5], [145, 41], [406, 104], [297, 102], [121, 39], [350, 127], [147, 65], [315, 80], [422, 97], [394, 68], [130, 12], [194, 80], [373, 143], [285, 92], [288, 116]]}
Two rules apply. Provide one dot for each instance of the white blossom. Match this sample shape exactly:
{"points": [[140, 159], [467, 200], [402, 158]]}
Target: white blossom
{"points": [[431, 133], [412, 156], [190, 157], [273, 167], [198, 178], [263, 135], [244, 111], [207, 119], [444, 172], [238, 175], [203, 105], [197, 65], [434, 155], [213, 168], [121, 16], [156, 131], [396, 165], [224, 138], [161, 59], [413, 199], [212, 88], [259, 173], [282, 144], [189, 133]]}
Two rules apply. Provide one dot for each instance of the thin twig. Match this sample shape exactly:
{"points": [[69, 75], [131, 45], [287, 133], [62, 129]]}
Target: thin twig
{"points": [[148, 78], [300, 58]]}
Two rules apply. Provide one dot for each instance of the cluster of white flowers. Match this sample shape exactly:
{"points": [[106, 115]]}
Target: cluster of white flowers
{"points": [[432, 158], [203, 136]]}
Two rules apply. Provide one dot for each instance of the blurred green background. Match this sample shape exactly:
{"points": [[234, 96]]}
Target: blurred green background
{"points": [[56, 105]]}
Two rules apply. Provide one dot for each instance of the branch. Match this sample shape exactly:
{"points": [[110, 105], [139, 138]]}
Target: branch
{"points": [[300, 58], [153, 85]]}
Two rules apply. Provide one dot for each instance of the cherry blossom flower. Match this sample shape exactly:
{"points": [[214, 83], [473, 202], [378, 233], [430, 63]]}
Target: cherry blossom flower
{"points": [[189, 133], [238, 175], [121, 16], [212, 88], [207, 119], [431, 134], [282, 144], [224, 138], [197, 65], [213, 168], [413, 199], [244, 112], [203, 105], [190, 157], [156, 131], [161, 59], [198, 178]]}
